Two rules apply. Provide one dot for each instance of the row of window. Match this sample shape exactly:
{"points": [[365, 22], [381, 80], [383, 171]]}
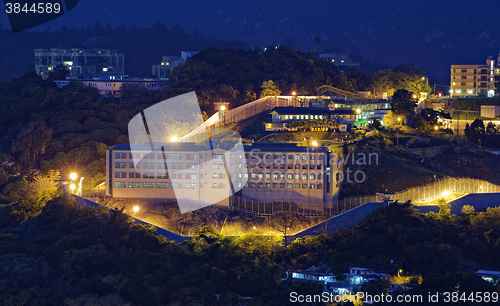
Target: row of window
{"points": [[158, 185], [281, 156], [151, 175], [303, 117], [282, 185], [289, 176], [289, 166], [123, 165], [175, 156], [194, 176], [135, 185], [161, 156]]}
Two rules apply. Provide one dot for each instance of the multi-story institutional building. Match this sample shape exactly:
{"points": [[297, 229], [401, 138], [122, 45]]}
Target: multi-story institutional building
{"points": [[79, 61], [264, 172], [113, 87], [341, 60], [168, 63], [475, 80]]}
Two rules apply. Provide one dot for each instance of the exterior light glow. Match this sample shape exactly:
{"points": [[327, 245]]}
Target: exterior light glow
{"points": [[136, 209], [314, 143], [72, 187], [73, 176], [222, 108]]}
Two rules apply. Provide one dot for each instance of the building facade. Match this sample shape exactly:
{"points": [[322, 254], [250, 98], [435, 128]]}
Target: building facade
{"points": [[265, 172], [79, 61], [475, 80], [113, 87], [168, 63]]}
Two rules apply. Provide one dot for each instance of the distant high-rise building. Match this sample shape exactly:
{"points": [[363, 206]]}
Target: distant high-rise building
{"points": [[80, 61], [341, 60], [475, 80]]}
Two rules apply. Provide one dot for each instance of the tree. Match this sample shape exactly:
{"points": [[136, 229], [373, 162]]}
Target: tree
{"points": [[269, 89], [429, 118], [468, 210], [284, 223], [33, 193], [403, 103], [32, 142], [476, 131]]}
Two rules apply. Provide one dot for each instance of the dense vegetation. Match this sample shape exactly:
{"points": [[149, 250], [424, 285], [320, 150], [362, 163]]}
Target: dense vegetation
{"points": [[62, 254]]}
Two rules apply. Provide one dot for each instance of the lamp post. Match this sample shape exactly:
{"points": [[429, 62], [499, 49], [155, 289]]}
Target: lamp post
{"points": [[222, 109], [397, 133]]}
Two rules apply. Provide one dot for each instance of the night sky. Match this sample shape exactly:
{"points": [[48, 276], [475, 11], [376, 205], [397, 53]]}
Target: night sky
{"points": [[432, 34]]}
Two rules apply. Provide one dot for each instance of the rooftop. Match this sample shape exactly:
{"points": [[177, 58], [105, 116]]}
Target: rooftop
{"points": [[312, 111], [193, 147]]}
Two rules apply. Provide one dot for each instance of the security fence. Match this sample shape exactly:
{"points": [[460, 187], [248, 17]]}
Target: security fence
{"points": [[440, 189]]}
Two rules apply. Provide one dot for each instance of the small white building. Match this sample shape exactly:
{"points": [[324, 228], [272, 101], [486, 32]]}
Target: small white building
{"points": [[490, 111], [358, 276]]}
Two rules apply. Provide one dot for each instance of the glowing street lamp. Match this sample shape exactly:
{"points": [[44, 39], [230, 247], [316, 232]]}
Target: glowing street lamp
{"points": [[72, 188], [399, 272], [222, 108], [135, 209], [436, 127], [358, 111], [315, 143], [445, 194], [73, 176], [294, 93], [414, 96]]}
